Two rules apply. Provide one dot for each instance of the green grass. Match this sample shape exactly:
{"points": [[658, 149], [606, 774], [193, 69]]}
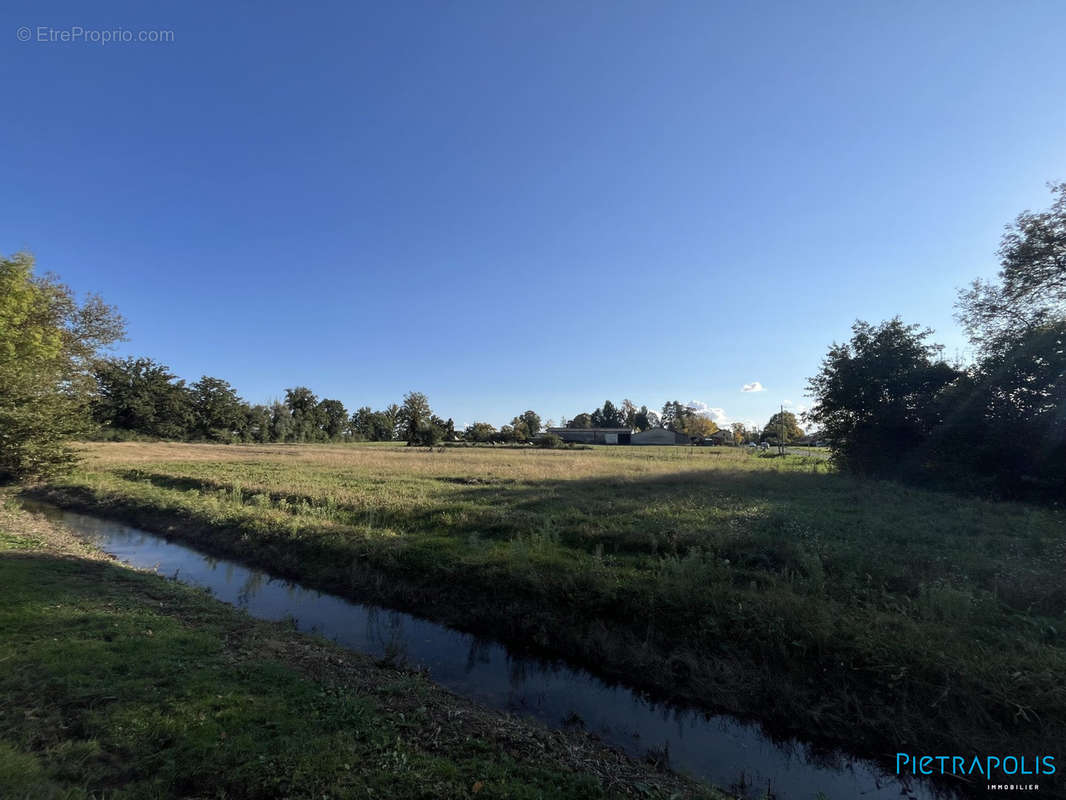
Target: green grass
{"points": [[864, 613], [118, 684]]}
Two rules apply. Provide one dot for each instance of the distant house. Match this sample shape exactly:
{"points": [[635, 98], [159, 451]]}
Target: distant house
{"points": [[593, 435], [660, 436], [721, 436]]}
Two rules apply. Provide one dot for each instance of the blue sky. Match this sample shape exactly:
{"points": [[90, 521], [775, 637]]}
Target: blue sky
{"points": [[513, 205]]}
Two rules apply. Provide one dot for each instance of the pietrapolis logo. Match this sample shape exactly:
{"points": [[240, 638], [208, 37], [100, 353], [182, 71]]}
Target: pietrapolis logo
{"points": [[1005, 773]]}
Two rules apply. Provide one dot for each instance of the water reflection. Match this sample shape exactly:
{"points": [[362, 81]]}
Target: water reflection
{"points": [[719, 749]]}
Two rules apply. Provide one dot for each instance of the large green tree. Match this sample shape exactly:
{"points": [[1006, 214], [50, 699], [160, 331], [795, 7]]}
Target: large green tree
{"points": [[608, 416], [281, 425], [306, 416], [479, 432], [645, 419], [526, 426], [1007, 430], [372, 426], [415, 417], [333, 417], [256, 426], [218, 413], [142, 396], [48, 341], [1030, 292], [880, 396]]}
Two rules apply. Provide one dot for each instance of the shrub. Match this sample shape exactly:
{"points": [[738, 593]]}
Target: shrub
{"points": [[549, 441]]}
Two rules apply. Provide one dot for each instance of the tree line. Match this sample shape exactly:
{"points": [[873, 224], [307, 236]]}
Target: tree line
{"points": [[891, 405], [674, 416], [888, 403], [140, 397]]}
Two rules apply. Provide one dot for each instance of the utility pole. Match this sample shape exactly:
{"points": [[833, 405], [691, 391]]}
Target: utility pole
{"points": [[781, 431]]}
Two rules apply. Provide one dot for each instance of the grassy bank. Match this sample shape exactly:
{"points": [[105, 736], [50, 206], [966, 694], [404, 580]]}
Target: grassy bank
{"points": [[115, 683], [863, 613]]}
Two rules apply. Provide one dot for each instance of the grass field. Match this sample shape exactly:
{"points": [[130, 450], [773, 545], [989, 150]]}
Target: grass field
{"points": [[121, 684], [863, 613]]}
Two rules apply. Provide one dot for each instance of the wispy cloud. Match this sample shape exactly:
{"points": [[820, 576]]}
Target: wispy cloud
{"points": [[754, 386]]}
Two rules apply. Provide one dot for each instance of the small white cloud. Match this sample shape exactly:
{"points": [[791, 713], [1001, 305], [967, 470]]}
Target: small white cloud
{"points": [[754, 386]]}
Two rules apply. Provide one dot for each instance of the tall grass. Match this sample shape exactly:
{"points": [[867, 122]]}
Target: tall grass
{"points": [[866, 612]]}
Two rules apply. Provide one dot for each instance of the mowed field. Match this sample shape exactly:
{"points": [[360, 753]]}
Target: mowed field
{"points": [[855, 612]]}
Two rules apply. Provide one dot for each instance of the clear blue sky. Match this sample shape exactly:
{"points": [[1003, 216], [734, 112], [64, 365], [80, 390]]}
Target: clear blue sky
{"points": [[513, 205]]}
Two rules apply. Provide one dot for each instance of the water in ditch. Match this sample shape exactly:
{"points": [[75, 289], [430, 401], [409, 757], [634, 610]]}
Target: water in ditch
{"points": [[718, 749]]}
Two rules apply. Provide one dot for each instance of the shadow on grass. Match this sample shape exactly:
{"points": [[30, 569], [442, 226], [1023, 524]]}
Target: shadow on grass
{"points": [[813, 602]]}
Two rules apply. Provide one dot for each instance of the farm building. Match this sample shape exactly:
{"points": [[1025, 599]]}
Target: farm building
{"points": [[593, 435], [660, 436], [720, 436]]}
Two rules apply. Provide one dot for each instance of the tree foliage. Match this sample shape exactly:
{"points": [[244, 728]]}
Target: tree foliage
{"points": [[889, 404], [142, 396], [48, 341], [698, 425], [526, 426], [876, 396], [782, 428], [333, 418], [414, 417], [218, 413], [480, 432], [644, 419], [1031, 291]]}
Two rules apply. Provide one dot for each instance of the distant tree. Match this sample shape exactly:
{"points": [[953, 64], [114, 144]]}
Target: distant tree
{"points": [[697, 425], [606, 417], [281, 426], [444, 429], [48, 342], [644, 419], [740, 433], [629, 414], [532, 423], [673, 415], [518, 425], [371, 426], [256, 427], [580, 421], [879, 397], [479, 432], [306, 419], [414, 416], [143, 396], [526, 426], [783, 428], [218, 413], [333, 417], [394, 419], [506, 435]]}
